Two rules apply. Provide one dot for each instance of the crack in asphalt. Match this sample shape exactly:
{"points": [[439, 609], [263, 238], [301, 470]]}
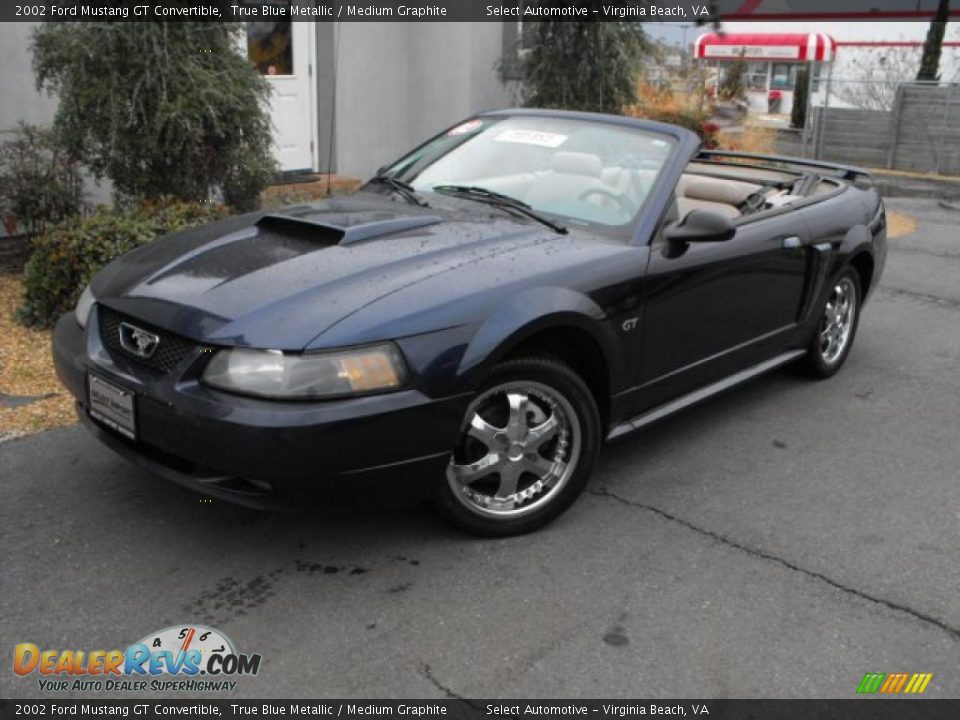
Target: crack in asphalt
{"points": [[922, 297], [427, 672], [916, 614]]}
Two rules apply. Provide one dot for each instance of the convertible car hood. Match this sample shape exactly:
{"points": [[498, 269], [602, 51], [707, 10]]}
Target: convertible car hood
{"points": [[279, 280]]}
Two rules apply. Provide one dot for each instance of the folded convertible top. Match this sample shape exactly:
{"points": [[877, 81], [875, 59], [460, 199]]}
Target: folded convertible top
{"points": [[846, 172]]}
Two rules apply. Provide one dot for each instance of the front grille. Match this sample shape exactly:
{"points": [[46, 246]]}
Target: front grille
{"points": [[170, 350]]}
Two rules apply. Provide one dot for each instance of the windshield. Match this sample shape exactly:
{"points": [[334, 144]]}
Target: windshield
{"points": [[587, 173]]}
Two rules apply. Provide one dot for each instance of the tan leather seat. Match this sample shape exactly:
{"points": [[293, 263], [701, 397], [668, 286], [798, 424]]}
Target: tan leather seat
{"points": [[632, 184], [697, 192], [576, 163], [686, 205], [570, 174], [731, 192]]}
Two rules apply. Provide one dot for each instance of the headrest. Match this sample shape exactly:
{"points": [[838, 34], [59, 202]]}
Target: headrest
{"points": [[576, 163], [730, 192]]}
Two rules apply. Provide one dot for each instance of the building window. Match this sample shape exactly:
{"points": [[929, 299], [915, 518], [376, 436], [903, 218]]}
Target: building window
{"points": [[783, 76], [270, 47], [815, 80], [755, 78]]}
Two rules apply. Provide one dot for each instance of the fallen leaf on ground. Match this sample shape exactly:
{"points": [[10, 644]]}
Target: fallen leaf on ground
{"points": [[26, 370], [899, 224]]}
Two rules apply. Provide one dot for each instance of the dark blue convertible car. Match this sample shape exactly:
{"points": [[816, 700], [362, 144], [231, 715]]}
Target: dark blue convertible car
{"points": [[477, 320]]}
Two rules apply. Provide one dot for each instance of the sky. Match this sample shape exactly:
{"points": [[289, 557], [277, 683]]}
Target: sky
{"points": [[674, 33]]}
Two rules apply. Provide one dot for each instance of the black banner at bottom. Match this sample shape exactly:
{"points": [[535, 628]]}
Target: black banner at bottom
{"points": [[866, 709]]}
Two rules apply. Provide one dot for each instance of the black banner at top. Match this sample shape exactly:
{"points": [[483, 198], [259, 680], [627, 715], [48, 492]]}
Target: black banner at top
{"points": [[702, 11], [463, 709]]}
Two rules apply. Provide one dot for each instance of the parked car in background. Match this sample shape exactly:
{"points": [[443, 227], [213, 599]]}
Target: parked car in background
{"points": [[475, 322]]}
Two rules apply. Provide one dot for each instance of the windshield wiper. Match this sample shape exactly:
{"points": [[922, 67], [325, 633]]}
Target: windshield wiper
{"points": [[481, 194], [400, 187]]}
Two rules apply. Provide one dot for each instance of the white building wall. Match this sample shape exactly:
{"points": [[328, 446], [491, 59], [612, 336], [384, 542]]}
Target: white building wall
{"points": [[400, 83], [21, 102], [20, 99], [371, 95]]}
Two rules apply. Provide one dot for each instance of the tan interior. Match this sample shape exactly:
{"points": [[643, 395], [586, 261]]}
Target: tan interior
{"points": [[698, 192], [694, 191], [583, 176], [744, 172]]}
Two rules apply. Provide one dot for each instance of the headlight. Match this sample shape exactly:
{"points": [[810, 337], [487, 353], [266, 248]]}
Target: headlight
{"points": [[82, 311], [271, 373]]}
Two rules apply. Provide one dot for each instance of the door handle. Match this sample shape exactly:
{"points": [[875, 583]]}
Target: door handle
{"points": [[791, 243]]}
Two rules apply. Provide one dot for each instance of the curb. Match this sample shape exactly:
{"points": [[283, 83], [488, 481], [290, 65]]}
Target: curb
{"points": [[927, 188]]}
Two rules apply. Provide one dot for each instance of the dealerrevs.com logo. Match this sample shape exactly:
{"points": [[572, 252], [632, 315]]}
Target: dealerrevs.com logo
{"points": [[188, 658]]}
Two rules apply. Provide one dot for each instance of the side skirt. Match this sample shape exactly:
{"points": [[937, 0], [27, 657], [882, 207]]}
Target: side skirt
{"points": [[697, 396]]}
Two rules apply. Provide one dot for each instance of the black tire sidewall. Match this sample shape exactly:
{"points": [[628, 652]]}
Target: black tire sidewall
{"points": [[817, 365], [563, 380]]}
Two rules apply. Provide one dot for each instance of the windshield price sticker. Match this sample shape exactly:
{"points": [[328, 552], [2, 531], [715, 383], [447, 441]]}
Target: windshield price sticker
{"points": [[467, 127], [532, 137]]}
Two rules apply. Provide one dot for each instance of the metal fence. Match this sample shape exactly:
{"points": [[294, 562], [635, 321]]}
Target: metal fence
{"points": [[903, 126]]}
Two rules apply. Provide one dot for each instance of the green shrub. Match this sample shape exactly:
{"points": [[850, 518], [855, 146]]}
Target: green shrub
{"points": [[40, 184], [698, 122], [733, 83], [67, 257], [162, 109]]}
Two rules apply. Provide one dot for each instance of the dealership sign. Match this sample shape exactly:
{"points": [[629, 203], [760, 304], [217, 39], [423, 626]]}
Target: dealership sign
{"points": [[788, 47], [754, 52]]}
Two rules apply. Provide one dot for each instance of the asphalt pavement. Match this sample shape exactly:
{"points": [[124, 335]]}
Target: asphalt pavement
{"points": [[779, 541]]}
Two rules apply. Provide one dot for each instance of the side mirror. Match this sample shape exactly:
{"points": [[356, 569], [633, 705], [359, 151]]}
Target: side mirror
{"points": [[701, 226]]}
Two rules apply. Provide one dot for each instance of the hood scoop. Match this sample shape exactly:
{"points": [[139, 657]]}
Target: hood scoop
{"points": [[330, 234]]}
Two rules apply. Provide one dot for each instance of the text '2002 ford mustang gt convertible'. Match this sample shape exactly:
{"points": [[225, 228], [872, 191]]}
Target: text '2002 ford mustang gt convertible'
{"points": [[477, 320]]}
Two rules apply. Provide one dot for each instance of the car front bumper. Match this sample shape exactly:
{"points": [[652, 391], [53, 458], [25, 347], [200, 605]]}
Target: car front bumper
{"points": [[263, 453]]}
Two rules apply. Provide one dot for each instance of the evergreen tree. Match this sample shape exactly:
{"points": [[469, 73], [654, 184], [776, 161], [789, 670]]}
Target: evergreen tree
{"points": [[582, 65], [167, 108], [933, 46], [801, 96]]}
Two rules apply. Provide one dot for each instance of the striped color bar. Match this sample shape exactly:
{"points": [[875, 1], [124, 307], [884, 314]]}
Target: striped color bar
{"points": [[894, 683], [870, 683], [918, 683]]}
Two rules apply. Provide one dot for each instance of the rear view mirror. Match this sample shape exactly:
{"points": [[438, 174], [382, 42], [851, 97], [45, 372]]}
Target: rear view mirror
{"points": [[701, 226]]}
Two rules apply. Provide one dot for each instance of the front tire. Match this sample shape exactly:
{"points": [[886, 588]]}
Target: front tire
{"points": [[837, 326], [527, 446]]}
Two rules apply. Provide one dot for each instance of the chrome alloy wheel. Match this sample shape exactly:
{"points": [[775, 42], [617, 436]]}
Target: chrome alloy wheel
{"points": [[836, 326], [519, 447]]}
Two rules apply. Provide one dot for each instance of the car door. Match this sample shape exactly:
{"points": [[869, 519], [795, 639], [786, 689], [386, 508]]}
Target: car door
{"points": [[712, 308]]}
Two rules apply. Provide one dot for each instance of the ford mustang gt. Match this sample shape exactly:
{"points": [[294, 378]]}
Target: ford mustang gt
{"points": [[477, 320]]}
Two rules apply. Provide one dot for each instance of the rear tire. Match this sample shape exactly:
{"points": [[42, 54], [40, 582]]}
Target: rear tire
{"points": [[528, 444], [836, 327]]}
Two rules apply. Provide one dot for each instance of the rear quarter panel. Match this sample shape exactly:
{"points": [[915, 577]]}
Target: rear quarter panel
{"points": [[852, 222]]}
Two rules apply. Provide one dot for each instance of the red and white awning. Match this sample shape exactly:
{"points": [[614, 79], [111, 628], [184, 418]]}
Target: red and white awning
{"points": [[785, 47]]}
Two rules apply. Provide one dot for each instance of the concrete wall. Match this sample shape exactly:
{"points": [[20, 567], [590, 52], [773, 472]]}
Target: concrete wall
{"points": [[921, 133], [856, 137], [21, 101], [399, 83]]}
